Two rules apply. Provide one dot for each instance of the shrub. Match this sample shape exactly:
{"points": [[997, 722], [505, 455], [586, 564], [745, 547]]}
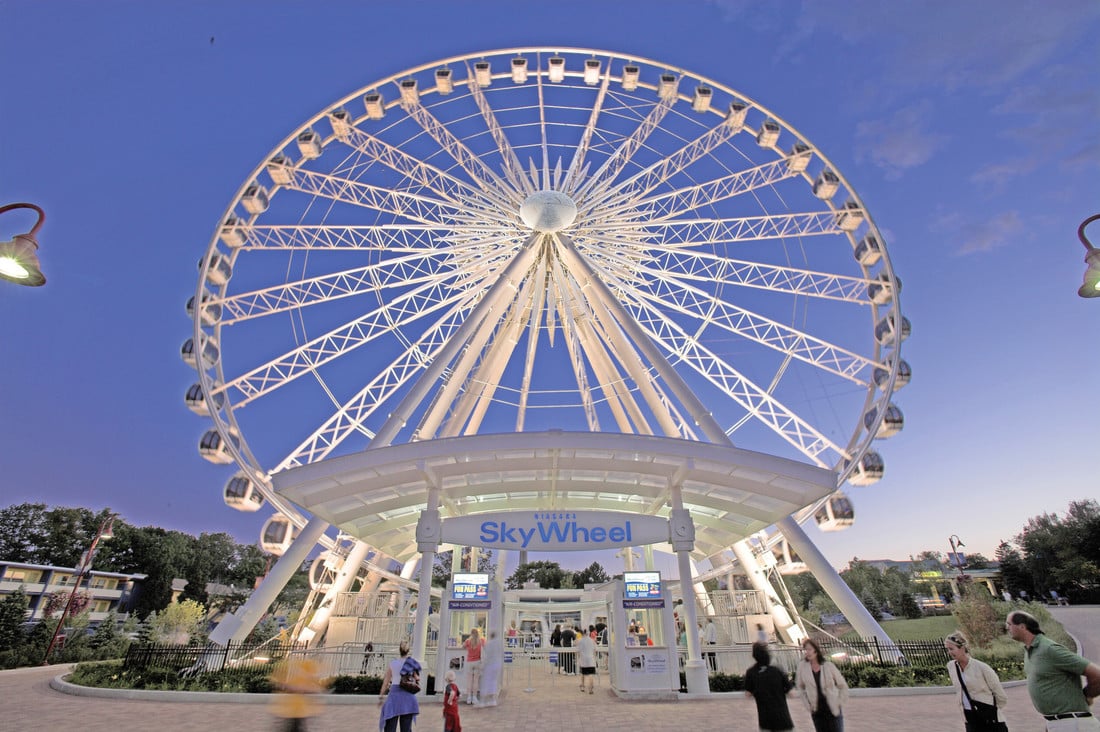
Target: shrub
{"points": [[727, 682], [356, 684]]}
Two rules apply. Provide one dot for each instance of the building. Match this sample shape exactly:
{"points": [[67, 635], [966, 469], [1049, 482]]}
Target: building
{"points": [[109, 591]]}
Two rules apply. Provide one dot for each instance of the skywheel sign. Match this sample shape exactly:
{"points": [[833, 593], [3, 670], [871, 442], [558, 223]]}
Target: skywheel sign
{"points": [[555, 530]]}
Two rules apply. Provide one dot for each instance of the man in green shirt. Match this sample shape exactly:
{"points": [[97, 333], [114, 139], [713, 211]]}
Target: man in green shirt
{"points": [[1054, 677]]}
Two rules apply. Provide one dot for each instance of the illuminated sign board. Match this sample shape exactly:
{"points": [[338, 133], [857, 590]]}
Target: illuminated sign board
{"points": [[470, 586], [641, 585], [555, 530]]}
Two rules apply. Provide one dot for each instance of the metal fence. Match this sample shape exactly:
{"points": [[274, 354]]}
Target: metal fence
{"points": [[737, 658], [242, 656]]}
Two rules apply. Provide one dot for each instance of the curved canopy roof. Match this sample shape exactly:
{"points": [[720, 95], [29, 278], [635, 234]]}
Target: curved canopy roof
{"points": [[377, 495]]}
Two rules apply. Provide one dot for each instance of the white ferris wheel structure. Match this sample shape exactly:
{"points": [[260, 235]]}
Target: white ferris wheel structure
{"points": [[543, 278]]}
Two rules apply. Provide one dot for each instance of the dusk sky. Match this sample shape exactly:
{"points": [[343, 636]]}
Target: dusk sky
{"points": [[968, 129]]}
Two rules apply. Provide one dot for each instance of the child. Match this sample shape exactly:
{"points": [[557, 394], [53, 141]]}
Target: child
{"points": [[451, 695]]}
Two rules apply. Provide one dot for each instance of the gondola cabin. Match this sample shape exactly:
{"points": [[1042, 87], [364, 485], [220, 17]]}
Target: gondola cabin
{"points": [[242, 494], [836, 513]]}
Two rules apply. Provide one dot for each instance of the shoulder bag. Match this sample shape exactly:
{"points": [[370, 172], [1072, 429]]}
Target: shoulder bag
{"points": [[980, 716]]}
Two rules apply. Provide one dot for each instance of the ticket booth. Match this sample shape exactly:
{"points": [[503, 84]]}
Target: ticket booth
{"points": [[470, 601], [644, 664]]}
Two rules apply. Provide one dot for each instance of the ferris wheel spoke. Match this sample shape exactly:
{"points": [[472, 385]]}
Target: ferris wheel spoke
{"points": [[412, 206], [708, 267], [349, 419], [513, 169], [576, 170], [683, 200], [304, 359], [427, 176], [403, 271], [388, 238], [758, 402], [475, 167], [710, 310], [598, 183], [697, 232]]}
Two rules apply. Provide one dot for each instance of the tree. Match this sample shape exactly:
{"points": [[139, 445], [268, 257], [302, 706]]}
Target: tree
{"points": [[592, 574], [178, 622], [22, 533], [547, 574], [13, 613]]}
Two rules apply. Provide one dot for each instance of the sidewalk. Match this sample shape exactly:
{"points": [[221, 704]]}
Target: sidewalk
{"points": [[556, 703]]}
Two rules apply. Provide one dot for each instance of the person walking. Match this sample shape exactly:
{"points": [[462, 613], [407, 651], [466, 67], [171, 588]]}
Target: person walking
{"points": [[297, 680], [710, 637], [979, 691], [399, 704], [1054, 677], [473, 645], [570, 660], [586, 658], [555, 642], [768, 687], [492, 660], [822, 687], [451, 697]]}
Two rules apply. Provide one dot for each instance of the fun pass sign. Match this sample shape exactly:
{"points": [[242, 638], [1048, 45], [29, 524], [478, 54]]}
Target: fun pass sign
{"points": [[555, 530]]}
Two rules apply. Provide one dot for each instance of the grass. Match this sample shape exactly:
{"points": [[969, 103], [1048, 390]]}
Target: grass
{"points": [[929, 628]]}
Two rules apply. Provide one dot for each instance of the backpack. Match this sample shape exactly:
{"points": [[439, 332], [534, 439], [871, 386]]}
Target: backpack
{"points": [[410, 676]]}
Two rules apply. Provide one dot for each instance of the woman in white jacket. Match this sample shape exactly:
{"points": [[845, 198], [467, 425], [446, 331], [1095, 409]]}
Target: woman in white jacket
{"points": [[823, 687], [982, 685]]}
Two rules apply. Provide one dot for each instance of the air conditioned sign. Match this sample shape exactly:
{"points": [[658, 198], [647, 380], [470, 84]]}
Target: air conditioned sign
{"points": [[555, 530]]}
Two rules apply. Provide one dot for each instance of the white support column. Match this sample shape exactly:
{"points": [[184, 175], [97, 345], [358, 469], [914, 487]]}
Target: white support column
{"points": [[831, 582], [237, 626], [681, 531], [786, 627], [349, 570], [647, 552], [428, 531]]}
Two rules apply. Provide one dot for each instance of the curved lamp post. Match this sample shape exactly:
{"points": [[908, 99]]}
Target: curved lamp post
{"points": [[18, 257], [105, 532], [1091, 286]]}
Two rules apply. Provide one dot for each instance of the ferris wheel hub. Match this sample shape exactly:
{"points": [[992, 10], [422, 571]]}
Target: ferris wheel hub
{"points": [[548, 211]]}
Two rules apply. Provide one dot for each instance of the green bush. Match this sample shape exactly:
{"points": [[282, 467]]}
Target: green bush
{"points": [[727, 682], [112, 675], [356, 684]]}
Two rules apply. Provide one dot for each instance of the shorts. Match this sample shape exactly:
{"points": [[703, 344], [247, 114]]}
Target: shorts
{"points": [[588, 670]]}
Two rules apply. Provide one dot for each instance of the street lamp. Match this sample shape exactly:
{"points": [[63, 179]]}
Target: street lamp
{"points": [[105, 532], [18, 260], [956, 542], [1091, 286]]}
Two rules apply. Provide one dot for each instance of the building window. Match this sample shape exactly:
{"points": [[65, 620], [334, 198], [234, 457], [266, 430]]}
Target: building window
{"points": [[28, 576]]}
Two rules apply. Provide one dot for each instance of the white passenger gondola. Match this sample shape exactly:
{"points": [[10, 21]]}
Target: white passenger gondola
{"points": [[836, 513], [242, 494], [280, 169], [519, 70], [631, 73], [277, 535], [905, 374], [850, 216], [209, 353], [892, 421], [870, 469], [868, 252], [196, 401], [592, 71], [881, 290], [768, 134], [210, 313], [375, 105], [233, 232], [409, 94], [667, 86], [887, 327], [701, 101], [255, 199], [799, 158], [444, 80], [735, 118], [788, 560], [483, 73], [556, 67], [341, 122], [309, 144], [219, 271], [826, 185], [214, 448], [322, 569]]}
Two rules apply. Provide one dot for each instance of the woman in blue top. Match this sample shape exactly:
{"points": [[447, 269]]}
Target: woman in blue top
{"points": [[399, 707]]}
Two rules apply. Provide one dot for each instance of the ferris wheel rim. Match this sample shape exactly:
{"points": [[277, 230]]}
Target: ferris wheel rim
{"points": [[228, 422]]}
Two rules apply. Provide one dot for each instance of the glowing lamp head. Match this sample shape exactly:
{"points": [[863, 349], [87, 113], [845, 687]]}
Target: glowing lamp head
{"points": [[548, 211]]}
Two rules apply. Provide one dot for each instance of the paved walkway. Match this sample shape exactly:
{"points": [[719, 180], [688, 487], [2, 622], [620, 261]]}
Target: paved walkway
{"points": [[29, 703]]}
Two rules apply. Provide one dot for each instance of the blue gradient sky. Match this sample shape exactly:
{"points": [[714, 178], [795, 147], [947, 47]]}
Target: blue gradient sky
{"points": [[968, 129]]}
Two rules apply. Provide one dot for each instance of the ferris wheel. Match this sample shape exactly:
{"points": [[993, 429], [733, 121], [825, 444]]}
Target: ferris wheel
{"points": [[361, 244]]}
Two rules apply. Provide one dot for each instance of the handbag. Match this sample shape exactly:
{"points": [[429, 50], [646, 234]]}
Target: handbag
{"points": [[980, 716], [410, 682]]}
